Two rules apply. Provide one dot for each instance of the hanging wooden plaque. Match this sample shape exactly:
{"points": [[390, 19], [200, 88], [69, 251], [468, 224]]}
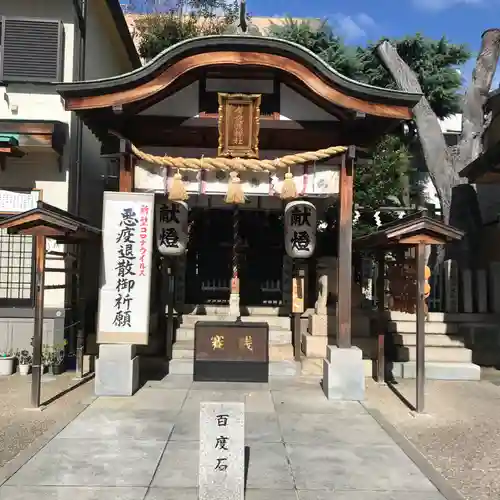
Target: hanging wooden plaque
{"points": [[239, 123]]}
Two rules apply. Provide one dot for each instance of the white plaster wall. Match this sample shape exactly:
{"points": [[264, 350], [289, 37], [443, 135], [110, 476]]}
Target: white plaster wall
{"points": [[293, 106]]}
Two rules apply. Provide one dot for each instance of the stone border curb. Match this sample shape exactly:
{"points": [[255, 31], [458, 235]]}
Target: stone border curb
{"points": [[24, 456], [442, 484]]}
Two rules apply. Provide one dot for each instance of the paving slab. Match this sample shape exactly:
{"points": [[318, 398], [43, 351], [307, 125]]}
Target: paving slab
{"points": [[318, 428], [70, 493], [369, 495], [85, 462], [313, 401], [147, 398], [340, 466], [105, 423], [255, 401]]}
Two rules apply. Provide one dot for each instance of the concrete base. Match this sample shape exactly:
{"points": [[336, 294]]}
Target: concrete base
{"points": [[344, 374], [117, 370]]}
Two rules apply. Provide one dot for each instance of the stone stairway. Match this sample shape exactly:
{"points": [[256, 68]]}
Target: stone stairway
{"points": [[281, 359], [446, 357]]}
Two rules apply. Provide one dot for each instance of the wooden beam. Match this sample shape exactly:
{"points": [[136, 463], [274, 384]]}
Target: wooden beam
{"points": [[127, 166], [183, 67], [345, 250]]}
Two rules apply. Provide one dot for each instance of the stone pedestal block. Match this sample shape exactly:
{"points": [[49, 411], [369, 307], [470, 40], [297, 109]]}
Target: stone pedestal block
{"points": [[117, 370], [344, 374], [321, 325]]}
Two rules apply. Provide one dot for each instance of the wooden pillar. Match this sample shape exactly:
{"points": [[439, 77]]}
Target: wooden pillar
{"points": [[37, 367], [345, 249], [381, 323], [420, 250], [126, 174]]}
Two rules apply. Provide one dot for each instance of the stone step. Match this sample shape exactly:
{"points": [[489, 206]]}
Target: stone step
{"points": [[410, 339], [224, 310], [287, 368], [185, 350], [314, 346], [276, 336], [439, 354], [448, 317], [436, 370], [273, 321], [432, 327]]}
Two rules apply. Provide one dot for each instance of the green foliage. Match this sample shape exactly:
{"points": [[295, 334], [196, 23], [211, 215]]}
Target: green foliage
{"points": [[320, 40], [203, 17], [434, 63], [382, 181]]}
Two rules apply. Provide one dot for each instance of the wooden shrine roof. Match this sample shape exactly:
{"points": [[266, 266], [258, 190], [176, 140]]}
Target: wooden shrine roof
{"points": [[52, 222], [183, 63], [408, 231]]}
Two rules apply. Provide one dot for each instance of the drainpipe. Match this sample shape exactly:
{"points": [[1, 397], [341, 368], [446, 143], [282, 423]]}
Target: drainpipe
{"points": [[77, 124], [76, 344]]}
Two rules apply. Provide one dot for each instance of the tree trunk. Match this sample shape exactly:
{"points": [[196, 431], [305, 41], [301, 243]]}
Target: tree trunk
{"points": [[458, 200]]}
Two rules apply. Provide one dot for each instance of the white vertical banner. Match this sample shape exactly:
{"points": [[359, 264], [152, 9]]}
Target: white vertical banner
{"points": [[124, 295]]}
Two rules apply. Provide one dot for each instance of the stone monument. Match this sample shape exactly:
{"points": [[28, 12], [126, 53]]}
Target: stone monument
{"points": [[222, 451]]}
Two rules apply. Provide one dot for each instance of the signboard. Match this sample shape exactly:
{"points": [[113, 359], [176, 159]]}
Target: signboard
{"points": [[231, 351], [12, 201], [300, 229], [124, 294], [239, 121], [171, 227]]}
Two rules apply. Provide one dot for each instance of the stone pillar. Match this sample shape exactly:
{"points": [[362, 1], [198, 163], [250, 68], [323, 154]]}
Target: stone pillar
{"points": [[451, 286], [117, 370], [344, 374], [467, 290], [482, 291]]}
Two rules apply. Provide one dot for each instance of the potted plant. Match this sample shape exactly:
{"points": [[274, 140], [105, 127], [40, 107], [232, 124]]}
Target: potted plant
{"points": [[53, 357], [25, 359], [7, 362]]}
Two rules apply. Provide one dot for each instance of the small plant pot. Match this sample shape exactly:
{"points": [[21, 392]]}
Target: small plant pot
{"points": [[24, 369], [57, 369], [6, 365]]}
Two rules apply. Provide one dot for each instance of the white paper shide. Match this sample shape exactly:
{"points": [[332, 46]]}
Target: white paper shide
{"points": [[300, 229], [127, 244], [171, 227]]}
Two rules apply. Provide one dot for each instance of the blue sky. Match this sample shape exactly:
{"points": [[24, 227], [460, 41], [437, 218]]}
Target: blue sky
{"points": [[361, 21]]}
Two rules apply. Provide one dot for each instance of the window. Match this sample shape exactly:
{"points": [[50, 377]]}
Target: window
{"points": [[31, 50], [16, 269]]}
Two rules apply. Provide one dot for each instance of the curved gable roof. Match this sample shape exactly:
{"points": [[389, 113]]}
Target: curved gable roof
{"points": [[233, 50]]}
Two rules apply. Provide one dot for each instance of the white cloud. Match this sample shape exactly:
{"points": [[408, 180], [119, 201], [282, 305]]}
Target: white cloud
{"points": [[437, 5], [354, 27]]}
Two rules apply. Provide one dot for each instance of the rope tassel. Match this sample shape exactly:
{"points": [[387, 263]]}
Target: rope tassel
{"points": [[177, 191], [289, 188], [235, 194]]}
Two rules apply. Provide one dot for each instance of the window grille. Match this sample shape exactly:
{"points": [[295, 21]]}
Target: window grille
{"points": [[16, 269]]}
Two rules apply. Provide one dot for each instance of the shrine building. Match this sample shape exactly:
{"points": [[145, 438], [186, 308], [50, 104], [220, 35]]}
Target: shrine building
{"points": [[225, 131]]}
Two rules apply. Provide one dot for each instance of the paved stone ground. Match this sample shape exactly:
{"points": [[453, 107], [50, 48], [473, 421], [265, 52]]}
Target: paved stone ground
{"points": [[459, 434], [19, 427], [302, 447]]}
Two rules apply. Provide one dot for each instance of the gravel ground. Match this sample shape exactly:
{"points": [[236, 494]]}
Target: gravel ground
{"points": [[19, 427], [459, 433]]}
